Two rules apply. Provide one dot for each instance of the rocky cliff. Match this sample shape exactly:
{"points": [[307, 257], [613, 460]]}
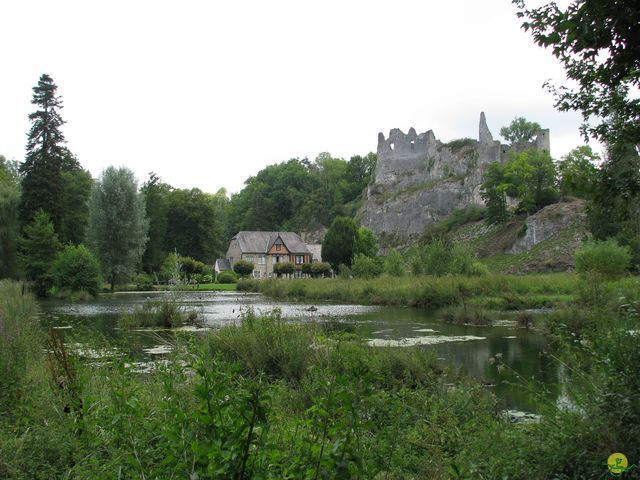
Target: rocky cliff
{"points": [[419, 180]]}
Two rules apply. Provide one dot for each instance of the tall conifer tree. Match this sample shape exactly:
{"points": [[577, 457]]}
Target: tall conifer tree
{"points": [[42, 168]]}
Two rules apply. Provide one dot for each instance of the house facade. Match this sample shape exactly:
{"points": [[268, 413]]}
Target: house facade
{"points": [[265, 249]]}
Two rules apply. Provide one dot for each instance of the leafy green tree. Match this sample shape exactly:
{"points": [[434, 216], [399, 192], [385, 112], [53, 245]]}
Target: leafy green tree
{"points": [[117, 231], [243, 268], [156, 199], [615, 209], [339, 243], [39, 248], [597, 44], [531, 176], [306, 268], [75, 185], [195, 224], [77, 269], [493, 192], [358, 175], [366, 243], [42, 168], [578, 172], [520, 130], [191, 268], [9, 225]]}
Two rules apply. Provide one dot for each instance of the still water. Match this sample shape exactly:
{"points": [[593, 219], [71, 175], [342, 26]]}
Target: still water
{"points": [[525, 369]]}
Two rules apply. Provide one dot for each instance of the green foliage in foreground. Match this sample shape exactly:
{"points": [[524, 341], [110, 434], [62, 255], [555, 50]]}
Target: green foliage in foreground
{"points": [[19, 347], [268, 399]]}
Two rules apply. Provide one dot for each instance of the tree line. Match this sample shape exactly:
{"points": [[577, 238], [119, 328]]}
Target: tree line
{"points": [[52, 212]]}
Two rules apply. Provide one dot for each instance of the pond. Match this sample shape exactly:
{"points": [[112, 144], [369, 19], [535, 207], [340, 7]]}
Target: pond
{"points": [[522, 371]]}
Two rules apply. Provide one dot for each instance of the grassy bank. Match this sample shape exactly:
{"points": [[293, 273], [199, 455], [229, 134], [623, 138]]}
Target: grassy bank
{"points": [[269, 399], [510, 292]]}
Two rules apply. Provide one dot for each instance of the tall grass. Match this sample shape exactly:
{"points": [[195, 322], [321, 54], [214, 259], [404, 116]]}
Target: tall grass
{"points": [[425, 291], [165, 313], [20, 344]]}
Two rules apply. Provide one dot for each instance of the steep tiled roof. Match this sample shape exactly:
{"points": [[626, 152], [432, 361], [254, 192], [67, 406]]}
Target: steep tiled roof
{"points": [[223, 264], [261, 242]]}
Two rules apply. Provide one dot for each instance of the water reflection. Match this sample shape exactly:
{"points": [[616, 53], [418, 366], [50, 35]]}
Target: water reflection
{"points": [[526, 370]]}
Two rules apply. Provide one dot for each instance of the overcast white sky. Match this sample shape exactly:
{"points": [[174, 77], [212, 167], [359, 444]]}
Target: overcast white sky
{"points": [[207, 93]]}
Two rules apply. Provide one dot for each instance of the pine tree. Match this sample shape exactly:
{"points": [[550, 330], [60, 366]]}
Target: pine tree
{"points": [[42, 168], [39, 248]]}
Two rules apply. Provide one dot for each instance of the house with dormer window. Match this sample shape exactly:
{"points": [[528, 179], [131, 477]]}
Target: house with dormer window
{"points": [[265, 249]]}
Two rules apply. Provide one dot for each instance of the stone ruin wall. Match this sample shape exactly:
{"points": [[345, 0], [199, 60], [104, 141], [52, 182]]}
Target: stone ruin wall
{"points": [[419, 180]]}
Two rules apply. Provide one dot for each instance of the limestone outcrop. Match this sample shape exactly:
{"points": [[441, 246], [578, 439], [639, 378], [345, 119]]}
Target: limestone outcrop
{"points": [[419, 180]]}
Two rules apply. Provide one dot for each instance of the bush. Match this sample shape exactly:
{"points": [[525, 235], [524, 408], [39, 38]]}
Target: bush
{"points": [[320, 269], [365, 267], [437, 258], [243, 268], [191, 267], [306, 268], [76, 268], [227, 277], [284, 268], [394, 264], [604, 259], [143, 281]]}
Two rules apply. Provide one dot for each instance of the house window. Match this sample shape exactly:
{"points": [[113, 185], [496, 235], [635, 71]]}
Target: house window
{"points": [[262, 260], [249, 258], [299, 259]]}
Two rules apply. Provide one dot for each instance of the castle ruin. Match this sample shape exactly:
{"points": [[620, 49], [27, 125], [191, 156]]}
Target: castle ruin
{"points": [[419, 180]]}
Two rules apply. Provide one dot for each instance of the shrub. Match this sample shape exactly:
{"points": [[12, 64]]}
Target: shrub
{"points": [[227, 277], [192, 267], [437, 258], [366, 267], [76, 268], [320, 269], [243, 268], [306, 268], [604, 259], [143, 281], [284, 268], [394, 264]]}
